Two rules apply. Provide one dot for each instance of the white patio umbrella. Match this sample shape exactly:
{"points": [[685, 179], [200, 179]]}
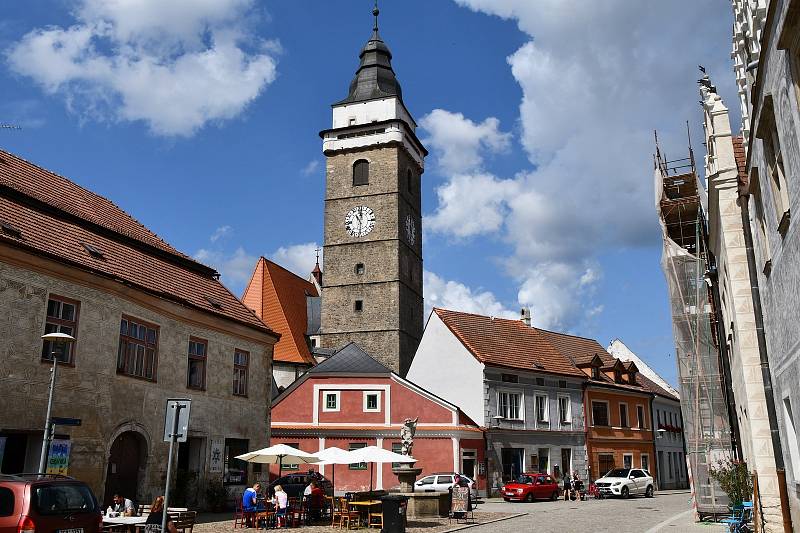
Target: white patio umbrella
{"points": [[277, 454], [335, 456], [374, 454]]}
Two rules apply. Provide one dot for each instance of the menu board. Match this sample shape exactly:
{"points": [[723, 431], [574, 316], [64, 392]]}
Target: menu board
{"points": [[460, 501]]}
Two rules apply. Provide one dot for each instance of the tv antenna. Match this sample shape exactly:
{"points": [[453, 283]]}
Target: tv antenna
{"points": [[9, 127]]}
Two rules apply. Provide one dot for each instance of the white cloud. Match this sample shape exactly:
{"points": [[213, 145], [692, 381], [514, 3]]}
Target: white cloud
{"points": [[174, 64], [456, 296], [220, 232], [596, 78], [298, 258], [460, 143], [310, 168], [471, 205], [235, 268]]}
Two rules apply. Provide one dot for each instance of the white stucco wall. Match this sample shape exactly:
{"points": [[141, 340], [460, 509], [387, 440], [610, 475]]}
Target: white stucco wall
{"points": [[443, 366]]}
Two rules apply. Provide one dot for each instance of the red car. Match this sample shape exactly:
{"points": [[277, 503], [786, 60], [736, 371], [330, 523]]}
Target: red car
{"points": [[47, 504], [529, 487]]}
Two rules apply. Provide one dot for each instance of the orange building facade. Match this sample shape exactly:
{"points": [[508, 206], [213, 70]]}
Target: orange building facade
{"points": [[619, 430]]}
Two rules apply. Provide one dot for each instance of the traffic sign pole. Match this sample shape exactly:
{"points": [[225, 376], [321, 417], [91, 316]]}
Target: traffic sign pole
{"points": [[173, 436]]}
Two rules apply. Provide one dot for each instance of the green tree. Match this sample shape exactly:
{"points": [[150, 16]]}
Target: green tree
{"points": [[734, 478]]}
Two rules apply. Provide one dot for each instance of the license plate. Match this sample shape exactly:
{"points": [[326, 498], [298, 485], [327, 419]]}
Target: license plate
{"points": [[74, 530], [510, 493]]}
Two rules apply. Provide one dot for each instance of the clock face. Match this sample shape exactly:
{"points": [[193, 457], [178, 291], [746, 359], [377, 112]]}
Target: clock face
{"points": [[411, 229], [359, 221]]}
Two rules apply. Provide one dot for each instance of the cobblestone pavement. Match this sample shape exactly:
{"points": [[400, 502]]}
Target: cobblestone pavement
{"points": [[667, 512], [210, 523]]}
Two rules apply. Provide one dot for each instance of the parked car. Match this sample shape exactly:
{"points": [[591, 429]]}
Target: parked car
{"points": [[625, 482], [442, 481], [295, 483], [529, 487], [47, 503]]}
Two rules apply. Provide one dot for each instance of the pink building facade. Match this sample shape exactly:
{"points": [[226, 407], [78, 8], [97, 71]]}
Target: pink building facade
{"points": [[351, 401]]}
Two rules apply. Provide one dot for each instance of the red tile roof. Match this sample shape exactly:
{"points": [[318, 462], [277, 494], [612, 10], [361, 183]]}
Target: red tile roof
{"points": [[508, 343], [57, 218], [57, 191], [279, 298], [741, 163]]}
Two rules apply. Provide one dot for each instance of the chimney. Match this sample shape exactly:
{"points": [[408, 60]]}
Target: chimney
{"points": [[525, 316]]}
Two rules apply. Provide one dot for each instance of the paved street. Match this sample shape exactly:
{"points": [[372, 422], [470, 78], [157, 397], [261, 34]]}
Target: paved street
{"points": [[666, 512]]}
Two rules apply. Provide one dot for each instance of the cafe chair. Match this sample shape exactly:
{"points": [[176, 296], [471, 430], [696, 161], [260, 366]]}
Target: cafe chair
{"points": [[375, 519], [351, 518]]}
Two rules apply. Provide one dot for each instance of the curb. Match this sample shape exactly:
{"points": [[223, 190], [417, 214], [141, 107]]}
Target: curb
{"points": [[467, 526]]}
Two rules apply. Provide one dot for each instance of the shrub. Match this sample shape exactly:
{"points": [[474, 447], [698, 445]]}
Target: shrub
{"points": [[733, 478]]}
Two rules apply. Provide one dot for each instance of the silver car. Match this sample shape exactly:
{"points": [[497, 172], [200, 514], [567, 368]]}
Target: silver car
{"points": [[442, 481]]}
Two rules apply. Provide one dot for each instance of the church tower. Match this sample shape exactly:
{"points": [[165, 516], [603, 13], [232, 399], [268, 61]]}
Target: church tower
{"points": [[372, 287]]}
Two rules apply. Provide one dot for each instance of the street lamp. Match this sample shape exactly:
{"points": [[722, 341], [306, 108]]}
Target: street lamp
{"points": [[56, 339]]}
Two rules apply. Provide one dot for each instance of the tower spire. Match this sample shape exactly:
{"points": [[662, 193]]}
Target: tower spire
{"points": [[375, 13]]}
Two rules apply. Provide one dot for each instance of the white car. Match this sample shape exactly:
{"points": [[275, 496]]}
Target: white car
{"points": [[626, 482], [441, 482]]}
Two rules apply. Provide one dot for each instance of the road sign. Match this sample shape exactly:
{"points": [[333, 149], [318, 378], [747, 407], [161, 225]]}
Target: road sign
{"points": [[60, 421], [183, 419]]}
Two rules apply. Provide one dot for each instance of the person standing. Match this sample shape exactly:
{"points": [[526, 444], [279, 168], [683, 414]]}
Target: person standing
{"points": [[567, 487]]}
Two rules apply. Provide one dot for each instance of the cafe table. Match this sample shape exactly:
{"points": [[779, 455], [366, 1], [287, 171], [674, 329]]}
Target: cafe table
{"points": [[133, 521], [364, 506]]}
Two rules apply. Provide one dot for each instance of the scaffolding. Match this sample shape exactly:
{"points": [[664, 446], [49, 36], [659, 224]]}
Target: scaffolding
{"points": [[680, 202]]}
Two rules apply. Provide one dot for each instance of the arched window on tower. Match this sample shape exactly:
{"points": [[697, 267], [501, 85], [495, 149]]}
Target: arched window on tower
{"points": [[410, 181], [361, 172]]}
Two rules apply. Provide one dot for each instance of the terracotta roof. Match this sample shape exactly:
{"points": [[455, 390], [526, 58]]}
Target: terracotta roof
{"points": [[578, 349], [51, 224], [741, 163], [581, 350], [278, 297], [653, 387], [508, 343], [58, 191]]}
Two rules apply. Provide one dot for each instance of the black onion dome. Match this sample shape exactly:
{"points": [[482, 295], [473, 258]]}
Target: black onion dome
{"points": [[374, 77]]}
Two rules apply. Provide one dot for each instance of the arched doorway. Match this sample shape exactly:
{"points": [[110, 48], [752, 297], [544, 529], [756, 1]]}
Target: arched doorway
{"points": [[125, 462]]}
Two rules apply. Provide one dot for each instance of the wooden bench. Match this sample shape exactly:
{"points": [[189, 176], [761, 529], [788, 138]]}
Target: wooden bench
{"points": [[184, 521]]}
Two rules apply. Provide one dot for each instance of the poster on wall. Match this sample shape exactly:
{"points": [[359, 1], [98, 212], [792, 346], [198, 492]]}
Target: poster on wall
{"points": [[217, 458], [58, 458]]}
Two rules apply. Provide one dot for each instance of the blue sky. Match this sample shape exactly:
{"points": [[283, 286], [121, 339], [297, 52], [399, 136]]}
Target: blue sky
{"points": [[201, 119]]}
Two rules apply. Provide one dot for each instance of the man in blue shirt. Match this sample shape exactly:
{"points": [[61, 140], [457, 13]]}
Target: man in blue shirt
{"points": [[250, 501]]}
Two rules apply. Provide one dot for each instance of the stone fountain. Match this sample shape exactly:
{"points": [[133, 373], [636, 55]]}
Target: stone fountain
{"points": [[420, 504]]}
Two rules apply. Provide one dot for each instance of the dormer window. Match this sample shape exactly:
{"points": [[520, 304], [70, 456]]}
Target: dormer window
{"points": [[595, 372]]}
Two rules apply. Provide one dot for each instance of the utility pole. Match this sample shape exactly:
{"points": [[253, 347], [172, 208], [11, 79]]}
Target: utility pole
{"points": [[63, 340]]}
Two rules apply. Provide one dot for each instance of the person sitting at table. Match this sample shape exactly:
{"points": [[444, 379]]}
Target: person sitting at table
{"points": [[281, 505], [123, 506], [250, 503], [315, 501], [153, 523]]}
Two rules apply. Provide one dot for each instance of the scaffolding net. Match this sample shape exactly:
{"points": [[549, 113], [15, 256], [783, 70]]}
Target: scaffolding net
{"points": [[680, 202]]}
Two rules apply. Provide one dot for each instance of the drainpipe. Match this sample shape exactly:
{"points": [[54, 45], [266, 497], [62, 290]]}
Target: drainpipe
{"points": [[724, 358], [766, 375]]}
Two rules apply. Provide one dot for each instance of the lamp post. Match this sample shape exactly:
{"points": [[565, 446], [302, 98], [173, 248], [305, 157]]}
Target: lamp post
{"points": [[63, 340]]}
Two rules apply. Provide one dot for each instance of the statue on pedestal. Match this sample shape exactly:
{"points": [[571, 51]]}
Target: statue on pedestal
{"points": [[407, 435]]}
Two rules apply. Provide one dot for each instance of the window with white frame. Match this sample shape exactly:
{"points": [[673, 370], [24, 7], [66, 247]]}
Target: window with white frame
{"points": [[542, 415], [623, 415], [627, 460], [509, 405], [372, 401], [330, 401], [564, 411]]}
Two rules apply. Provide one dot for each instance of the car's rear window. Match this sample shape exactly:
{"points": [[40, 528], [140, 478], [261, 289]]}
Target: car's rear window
{"points": [[63, 498], [6, 501]]}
